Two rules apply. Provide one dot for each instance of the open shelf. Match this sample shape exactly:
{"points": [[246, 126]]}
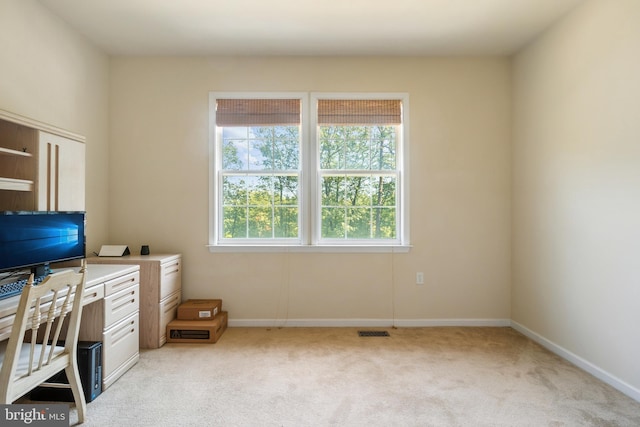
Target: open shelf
{"points": [[10, 152], [15, 184]]}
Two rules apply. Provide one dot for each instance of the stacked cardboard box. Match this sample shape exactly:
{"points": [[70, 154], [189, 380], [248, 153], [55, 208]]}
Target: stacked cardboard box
{"points": [[199, 321]]}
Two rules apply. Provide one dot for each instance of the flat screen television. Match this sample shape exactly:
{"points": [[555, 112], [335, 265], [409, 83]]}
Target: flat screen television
{"points": [[34, 239]]}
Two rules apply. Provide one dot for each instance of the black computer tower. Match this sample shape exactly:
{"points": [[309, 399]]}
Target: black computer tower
{"points": [[90, 367]]}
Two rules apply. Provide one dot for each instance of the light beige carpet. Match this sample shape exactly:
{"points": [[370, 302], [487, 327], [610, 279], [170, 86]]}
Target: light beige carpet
{"points": [[332, 377]]}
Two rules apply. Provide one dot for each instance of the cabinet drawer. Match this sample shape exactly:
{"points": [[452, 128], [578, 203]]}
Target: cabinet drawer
{"points": [[121, 304], [92, 294], [120, 343], [168, 312], [114, 285], [170, 277]]}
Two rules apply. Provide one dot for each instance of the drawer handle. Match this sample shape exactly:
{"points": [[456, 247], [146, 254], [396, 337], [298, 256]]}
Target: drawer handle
{"points": [[170, 309], [124, 284], [124, 304], [125, 299], [175, 265], [123, 333]]}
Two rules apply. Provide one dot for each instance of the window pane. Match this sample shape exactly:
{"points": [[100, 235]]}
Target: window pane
{"points": [[235, 154], [285, 190], [384, 223], [286, 132], [331, 146], [285, 222], [383, 191], [256, 132], [359, 220], [357, 149], [286, 154], [333, 191], [261, 148], [234, 222], [358, 191], [259, 188], [234, 190], [274, 148], [383, 144], [362, 196], [260, 223], [260, 154], [260, 206], [333, 223]]}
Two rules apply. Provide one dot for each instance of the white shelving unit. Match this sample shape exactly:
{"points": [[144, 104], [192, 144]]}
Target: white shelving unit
{"points": [[41, 166]]}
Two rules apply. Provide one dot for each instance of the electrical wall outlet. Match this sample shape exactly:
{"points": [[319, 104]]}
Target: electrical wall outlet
{"points": [[420, 278]]}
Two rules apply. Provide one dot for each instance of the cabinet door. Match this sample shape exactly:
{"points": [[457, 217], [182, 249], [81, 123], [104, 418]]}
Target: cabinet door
{"points": [[61, 174], [119, 349]]}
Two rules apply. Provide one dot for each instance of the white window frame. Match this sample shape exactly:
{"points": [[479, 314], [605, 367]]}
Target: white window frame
{"points": [[309, 219]]}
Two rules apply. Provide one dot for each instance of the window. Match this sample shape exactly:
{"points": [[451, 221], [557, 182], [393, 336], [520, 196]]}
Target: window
{"points": [[260, 169], [308, 171]]}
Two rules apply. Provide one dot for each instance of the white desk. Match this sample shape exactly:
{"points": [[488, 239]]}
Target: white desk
{"points": [[110, 315]]}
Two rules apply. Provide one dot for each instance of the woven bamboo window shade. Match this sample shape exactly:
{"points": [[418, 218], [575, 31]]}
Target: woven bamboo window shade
{"points": [[257, 112], [359, 112]]}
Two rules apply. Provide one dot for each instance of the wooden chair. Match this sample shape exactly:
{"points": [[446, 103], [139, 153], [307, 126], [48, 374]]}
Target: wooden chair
{"points": [[29, 360]]}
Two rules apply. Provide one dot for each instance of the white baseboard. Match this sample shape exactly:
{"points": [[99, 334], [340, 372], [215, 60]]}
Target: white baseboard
{"points": [[310, 323], [583, 364], [426, 323], [366, 323]]}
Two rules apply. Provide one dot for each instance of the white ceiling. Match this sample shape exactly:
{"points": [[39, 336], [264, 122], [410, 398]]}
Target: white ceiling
{"points": [[310, 27]]}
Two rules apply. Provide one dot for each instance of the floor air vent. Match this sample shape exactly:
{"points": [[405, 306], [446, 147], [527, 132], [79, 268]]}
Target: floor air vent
{"points": [[373, 334]]}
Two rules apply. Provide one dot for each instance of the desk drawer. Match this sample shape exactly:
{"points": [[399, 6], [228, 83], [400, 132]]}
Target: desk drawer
{"points": [[122, 282], [120, 343], [121, 304], [168, 312], [170, 277], [92, 294]]}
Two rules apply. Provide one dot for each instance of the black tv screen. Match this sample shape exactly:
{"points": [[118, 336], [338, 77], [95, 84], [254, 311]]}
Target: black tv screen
{"points": [[31, 239]]}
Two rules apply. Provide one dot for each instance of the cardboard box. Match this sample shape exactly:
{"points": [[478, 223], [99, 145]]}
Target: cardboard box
{"points": [[199, 309], [197, 331]]}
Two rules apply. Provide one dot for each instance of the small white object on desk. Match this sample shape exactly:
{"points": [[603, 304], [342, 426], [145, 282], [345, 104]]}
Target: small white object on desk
{"points": [[114, 250]]}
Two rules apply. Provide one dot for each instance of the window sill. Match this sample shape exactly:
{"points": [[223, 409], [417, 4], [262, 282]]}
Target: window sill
{"points": [[309, 248]]}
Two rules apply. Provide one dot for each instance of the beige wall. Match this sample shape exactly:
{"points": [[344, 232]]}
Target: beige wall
{"points": [[460, 187], [51, 74], [576, 189]]}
